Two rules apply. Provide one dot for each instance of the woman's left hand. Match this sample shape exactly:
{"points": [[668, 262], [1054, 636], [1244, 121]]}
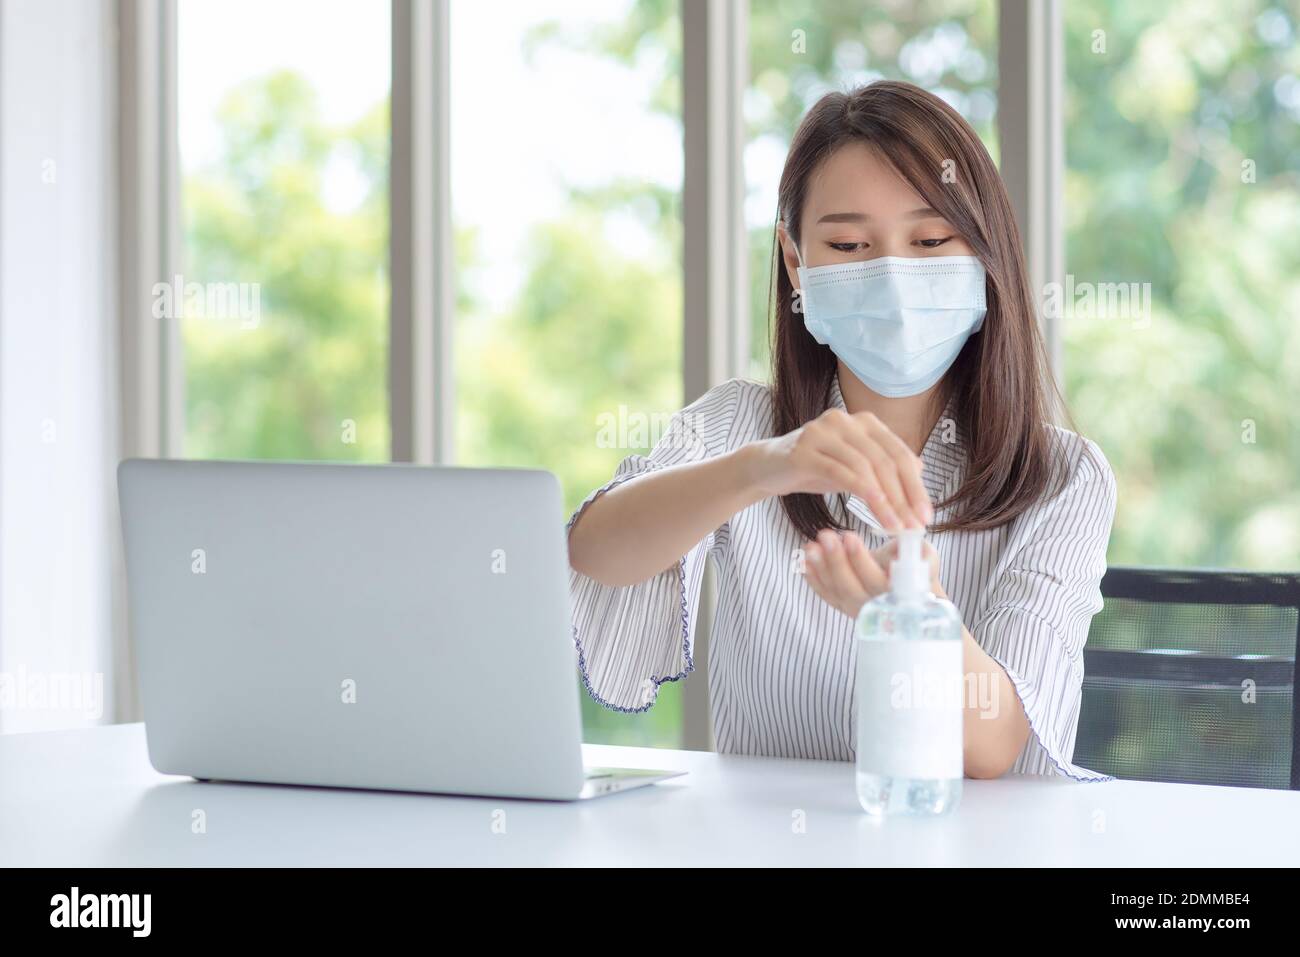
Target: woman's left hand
{"points": [[846, 574]]}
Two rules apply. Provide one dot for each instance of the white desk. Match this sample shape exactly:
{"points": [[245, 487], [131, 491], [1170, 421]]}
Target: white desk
{"points": [[90, 798]]}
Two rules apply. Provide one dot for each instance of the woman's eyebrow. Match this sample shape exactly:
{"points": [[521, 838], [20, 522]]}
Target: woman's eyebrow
{"points": [[921, 212]]}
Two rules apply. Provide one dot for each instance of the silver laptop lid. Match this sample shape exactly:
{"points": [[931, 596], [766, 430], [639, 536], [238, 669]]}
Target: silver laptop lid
{"points": [[391, 627]]}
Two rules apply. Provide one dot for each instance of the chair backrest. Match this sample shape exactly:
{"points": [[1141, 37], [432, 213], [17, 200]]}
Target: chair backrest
{"points": [[1190, 676]]}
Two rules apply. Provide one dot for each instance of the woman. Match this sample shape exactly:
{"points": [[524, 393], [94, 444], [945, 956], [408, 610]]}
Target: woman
{"points": [[910, 389]]}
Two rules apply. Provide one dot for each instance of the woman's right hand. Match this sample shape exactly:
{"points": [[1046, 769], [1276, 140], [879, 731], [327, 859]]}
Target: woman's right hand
{"points": [[840, 452]]}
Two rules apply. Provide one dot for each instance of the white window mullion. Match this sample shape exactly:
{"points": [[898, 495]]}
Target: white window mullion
{"points": [[150, 367], [715, 342], [715, 247], [1031, 81], [146, 210], [421, 368], [171, 235]]}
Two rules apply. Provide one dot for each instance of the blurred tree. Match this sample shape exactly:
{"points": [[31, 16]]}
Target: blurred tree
{"points": [[317, 356], [580, 310], [1183, 155]]}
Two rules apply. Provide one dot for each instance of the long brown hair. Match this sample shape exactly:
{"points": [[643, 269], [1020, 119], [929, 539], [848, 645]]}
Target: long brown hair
{"points": [[1004, 391]]}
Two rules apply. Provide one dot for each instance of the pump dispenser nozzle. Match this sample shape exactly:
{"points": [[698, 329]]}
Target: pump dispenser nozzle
{"points": [[909, 573]]}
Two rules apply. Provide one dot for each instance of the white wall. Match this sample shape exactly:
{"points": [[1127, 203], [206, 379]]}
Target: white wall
{"points": [[58, 411]]}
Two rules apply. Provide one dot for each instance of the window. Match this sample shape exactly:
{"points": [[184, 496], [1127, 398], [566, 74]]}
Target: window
{"points": [[1180, 129], [283, 297], [1181, 354], [568, 251]]}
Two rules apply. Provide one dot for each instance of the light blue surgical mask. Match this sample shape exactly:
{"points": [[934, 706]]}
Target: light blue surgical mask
{"points": [[898, 323]]}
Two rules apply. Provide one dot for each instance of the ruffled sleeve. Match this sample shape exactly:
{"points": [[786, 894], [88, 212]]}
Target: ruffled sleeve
{"points": [[1036, 622], [631, 639]]}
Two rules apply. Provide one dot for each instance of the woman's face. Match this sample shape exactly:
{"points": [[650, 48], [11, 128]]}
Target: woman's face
{"points": [[859, 208]]}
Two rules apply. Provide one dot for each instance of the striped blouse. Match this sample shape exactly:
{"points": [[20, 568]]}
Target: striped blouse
{"points": [[782, 662]]}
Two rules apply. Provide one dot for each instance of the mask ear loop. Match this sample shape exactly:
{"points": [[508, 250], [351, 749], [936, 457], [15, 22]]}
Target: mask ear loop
{"points": [[797, 254], [802, 301]]}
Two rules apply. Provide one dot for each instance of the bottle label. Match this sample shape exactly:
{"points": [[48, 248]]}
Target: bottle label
{"points": [[909, 699]]}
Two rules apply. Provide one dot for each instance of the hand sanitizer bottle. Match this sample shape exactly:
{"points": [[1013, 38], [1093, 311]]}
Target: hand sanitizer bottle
{"points": [[909, 693]]}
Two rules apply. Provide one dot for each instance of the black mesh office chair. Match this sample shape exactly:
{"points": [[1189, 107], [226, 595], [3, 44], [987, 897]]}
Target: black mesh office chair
{"points": [[1190, 676]]}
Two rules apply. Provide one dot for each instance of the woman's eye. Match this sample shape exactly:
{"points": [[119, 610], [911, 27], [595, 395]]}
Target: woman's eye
{"points": [[847, 247], [933, 243]]}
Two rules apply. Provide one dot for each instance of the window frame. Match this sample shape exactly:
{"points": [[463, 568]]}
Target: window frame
{"points": [[422, 306]]}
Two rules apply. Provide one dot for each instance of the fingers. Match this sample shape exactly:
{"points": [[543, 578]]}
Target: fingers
{"points": [[873, 463], [909, 469], [870, 572], [842, 571], [932, 556], [824, 574], [860, 432], [886, 554], [838, 574], [859, 477]]}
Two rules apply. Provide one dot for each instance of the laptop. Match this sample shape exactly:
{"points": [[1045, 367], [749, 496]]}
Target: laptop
{"points": [[393, 627]]}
